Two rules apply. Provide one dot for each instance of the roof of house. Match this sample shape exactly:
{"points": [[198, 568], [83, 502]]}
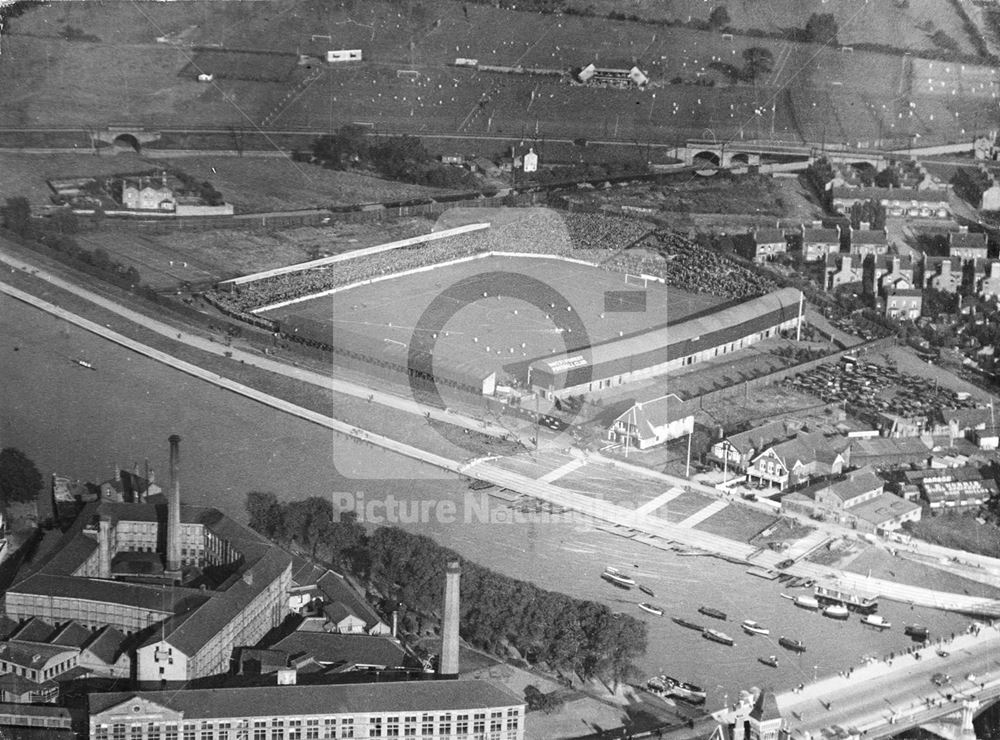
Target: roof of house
{"points": [[807, 447], [904, 293], [888, 261], [769, 236], [759, 437], [268, 660], [967, 239], [818, 234], [32, 654], [900, 194], [883, 508], [34, 630], [267, 701], [337, 612], [336, 589], [332, 648], [878, 446], [868, 236], [858, 483], [107, 645], [648, 415], [7, 626], [766, 707], [72, 633], [846, 261]]}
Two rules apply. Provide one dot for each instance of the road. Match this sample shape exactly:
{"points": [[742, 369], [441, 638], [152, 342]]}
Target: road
{"points": [[206, 344], [885, 698], [485, 469]]}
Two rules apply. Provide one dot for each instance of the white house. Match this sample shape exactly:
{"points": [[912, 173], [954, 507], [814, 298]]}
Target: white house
{"points": [[647, 424]]}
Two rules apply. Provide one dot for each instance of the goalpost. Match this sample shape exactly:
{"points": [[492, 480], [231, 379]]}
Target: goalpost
{"points": [[631, 279]]}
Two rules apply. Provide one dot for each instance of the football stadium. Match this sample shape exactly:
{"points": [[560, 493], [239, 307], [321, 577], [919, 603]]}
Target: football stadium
{"points": [[526, 302]]}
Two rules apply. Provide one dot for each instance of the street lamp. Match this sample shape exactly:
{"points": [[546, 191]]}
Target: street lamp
{"points": [[815, 668]]}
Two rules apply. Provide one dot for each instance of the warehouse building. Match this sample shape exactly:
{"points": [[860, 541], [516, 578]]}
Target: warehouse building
{"points": [[449, 710]]}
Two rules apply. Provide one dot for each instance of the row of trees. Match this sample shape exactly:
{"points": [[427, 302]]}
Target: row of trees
{"points": [[499, 614], [56, 234], [403, 158]]}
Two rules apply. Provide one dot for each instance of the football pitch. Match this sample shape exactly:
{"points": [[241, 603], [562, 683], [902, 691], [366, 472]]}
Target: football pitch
{"points": [[495, 331]]}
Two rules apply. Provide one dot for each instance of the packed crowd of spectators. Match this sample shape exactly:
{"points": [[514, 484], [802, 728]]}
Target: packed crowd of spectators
{"points": [[597, 231], [691, 267], [603, 240]]}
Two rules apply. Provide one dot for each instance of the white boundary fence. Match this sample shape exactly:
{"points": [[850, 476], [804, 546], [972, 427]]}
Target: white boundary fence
{"points": [[354, 254]]}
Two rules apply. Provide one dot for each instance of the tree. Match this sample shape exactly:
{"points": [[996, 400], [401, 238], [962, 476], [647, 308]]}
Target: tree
{"points": [[343, 148], [719, 17], [265, 515], [887, 178], [757, 61], [19, 478], [822, 28], [16, 215]]}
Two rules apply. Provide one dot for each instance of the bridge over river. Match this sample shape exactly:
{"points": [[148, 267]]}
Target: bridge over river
{"points": [[939, 687]]}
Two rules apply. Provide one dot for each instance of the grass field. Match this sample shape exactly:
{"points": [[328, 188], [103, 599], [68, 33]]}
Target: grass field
{"points": [[497, 333], [814, 94], [254, 184], [258, 66], [165, 260], [858, 20]]}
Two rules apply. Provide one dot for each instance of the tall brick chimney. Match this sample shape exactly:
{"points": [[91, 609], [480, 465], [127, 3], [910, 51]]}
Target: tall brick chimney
{"points": [[174, 508], [448, 665]]}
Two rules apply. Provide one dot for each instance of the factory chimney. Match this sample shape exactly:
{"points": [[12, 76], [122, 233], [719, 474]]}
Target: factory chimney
{"points": [[448, 665], [174, 509]]}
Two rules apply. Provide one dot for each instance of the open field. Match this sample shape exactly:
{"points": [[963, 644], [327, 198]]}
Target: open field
{"points": [[498, 333], [814, 94], [254, 184], [165, 260], [251, 184], [257, 66], [25, 174], [859, 21]]}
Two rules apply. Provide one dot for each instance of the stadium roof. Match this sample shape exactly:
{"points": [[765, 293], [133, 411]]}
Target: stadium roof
{"points": [[671, 340]]}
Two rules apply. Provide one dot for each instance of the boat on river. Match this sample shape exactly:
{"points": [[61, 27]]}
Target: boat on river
{"points": [[836, 611], [806, 602], [754, 628], [83, 363], [647, 590], [856, 601], [710, 612], [875, 620], [770, 660], [720, 637], [669, 686], [651, 608], [615, 576], [687, 623], [917, 631], [791, 644]]}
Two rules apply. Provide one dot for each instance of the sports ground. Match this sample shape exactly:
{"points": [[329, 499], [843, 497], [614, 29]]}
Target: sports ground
{"points": [[406, 83], [496, 332]]}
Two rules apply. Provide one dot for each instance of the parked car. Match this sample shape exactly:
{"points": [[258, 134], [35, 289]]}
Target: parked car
{"points": [[940, 679]]}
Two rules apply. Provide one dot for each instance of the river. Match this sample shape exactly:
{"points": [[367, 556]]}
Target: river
{"points": [[79, 422]]}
